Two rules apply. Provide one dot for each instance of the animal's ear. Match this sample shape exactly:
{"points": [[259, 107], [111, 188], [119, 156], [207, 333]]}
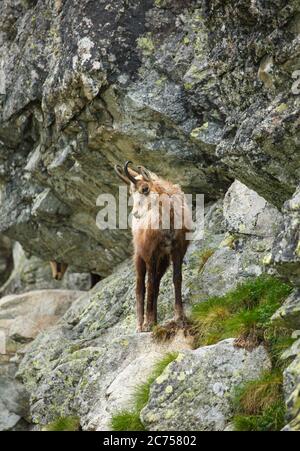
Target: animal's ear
{"points": [[119, 172]]}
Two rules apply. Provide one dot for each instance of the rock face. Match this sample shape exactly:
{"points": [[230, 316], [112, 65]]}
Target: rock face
{"points": [[251, 224], [32, 273], [195, 392], [191, 89], [292, 391], [289, 313], [6, 261], [286, 250]]}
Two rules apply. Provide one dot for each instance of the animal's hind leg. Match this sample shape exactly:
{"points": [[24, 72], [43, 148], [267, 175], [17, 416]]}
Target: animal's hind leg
{"points": [[140, 291], [177, 280], [162, 268], [151, 291]]}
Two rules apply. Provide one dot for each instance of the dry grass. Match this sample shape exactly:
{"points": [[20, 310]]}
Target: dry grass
{"points": [[259, 405], [261, 394], [165, 332], [204, 257]]}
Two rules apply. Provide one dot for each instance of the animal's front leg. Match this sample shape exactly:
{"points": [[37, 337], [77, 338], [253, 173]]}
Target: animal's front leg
{"points": [[140, 292]]}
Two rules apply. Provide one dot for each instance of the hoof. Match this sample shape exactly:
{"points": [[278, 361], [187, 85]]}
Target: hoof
{"points": [[147, 327], [143, 329]]}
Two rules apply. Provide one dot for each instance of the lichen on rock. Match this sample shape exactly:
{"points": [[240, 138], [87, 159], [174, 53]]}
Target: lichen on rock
{"points": [[201, 384]]}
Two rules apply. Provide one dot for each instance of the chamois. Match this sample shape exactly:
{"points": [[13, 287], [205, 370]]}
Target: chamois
{"points": [[161, 220], [58, 269]]}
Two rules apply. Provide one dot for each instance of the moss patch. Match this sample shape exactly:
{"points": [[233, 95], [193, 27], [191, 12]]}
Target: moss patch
{"points": [[129, 420]]}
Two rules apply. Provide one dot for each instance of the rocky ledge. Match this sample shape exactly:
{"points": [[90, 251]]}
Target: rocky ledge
{"points": [[89, 364]]}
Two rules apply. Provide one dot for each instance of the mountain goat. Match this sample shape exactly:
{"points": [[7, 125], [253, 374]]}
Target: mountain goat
{"points": [[161, 222], [58, 269]]}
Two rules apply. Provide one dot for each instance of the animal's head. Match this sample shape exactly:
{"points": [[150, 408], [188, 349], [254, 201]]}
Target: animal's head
{"points": [[140, 179], [58, 270]]}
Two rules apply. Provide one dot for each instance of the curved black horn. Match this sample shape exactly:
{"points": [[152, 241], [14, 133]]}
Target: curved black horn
{"points": [[127, 173], [119, 172], [145, 173]]}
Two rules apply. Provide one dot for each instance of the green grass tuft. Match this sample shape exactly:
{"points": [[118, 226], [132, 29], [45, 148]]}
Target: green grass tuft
{"points": [[129, 420], [271, 420], [142, 391], [258, 395], [243, 313], [259, 404], [63, 424]]}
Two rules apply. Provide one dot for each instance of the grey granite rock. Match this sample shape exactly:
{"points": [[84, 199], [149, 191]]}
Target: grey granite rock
{"points": [[195, 392], [14, 400], [286, 250]]}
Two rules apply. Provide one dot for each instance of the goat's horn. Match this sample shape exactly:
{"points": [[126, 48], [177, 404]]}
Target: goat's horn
{"points": [[145, 173], [119, 172], [127, 173]]}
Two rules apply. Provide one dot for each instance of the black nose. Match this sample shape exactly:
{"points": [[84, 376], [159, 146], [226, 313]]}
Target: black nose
{"points": [[145, 190]]}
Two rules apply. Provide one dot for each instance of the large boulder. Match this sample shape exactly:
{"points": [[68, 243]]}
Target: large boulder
{"points": [[286, 249], [195, 392], [14, 401], [73, 368], [292, 389], [289, 312], [247, 213], [251, 224], [24, 316], [191, 89]]}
